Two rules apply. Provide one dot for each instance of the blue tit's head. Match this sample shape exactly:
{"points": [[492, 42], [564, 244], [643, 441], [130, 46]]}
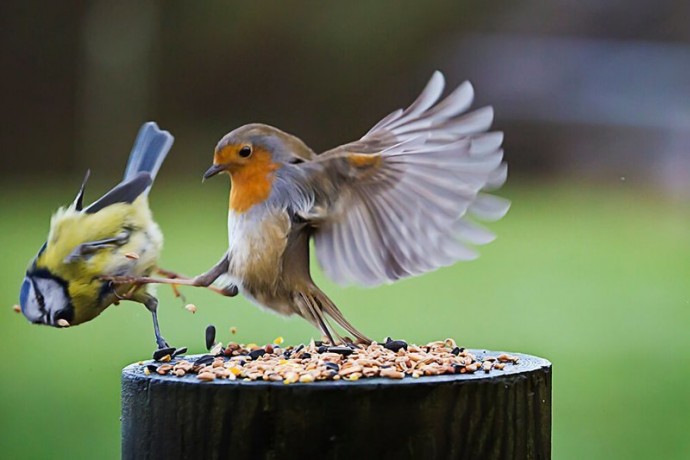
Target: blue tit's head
{"points": [[44, 299]]}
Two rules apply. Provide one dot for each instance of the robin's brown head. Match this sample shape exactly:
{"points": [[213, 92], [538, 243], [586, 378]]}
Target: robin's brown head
{"points": [[256, 147]]}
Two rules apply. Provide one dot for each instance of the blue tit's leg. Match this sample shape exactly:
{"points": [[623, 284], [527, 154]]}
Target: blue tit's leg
{"points": [[151, 303]]}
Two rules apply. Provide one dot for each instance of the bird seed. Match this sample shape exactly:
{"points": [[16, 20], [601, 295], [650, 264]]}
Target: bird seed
{"points": [[321, 361], [210, 336]]}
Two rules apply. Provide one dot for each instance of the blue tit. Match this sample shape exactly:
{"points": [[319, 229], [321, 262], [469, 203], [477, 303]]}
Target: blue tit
{"points": [[65, 284]]}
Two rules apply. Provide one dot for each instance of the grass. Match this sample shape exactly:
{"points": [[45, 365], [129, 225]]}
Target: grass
{"points": [[594, 279]]}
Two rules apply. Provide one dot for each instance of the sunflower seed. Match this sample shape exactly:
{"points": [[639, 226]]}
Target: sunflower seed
{"points": [[210, 336], [332, 366], [345, 351], [159, 354], [395, 345], [204, 360]]}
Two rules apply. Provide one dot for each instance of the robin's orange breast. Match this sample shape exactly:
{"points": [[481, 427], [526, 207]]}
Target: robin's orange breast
{"points": [[252, 182]]}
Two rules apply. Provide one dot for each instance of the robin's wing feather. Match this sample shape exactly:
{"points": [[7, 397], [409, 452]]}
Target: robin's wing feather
{"points": [[407, 191]]}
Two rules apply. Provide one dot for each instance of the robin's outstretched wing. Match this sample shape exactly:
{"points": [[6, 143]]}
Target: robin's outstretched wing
{"points": [[400, 201]]}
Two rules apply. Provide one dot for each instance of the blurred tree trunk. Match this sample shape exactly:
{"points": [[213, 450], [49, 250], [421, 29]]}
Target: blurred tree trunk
{"points": [[115, 89]]}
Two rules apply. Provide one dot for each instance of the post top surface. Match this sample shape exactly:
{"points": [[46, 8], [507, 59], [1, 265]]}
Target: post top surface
{"points": [[525, 365]]}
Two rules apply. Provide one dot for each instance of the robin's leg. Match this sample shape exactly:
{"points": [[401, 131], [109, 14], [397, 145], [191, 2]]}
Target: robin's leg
{"points": [[220, 268], [198, 281], [314, 217], [328, 309], [308, 308], [204, 280]]}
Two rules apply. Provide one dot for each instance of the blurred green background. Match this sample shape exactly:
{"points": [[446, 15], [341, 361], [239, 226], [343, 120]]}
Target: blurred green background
{"points": [[591, 265]]}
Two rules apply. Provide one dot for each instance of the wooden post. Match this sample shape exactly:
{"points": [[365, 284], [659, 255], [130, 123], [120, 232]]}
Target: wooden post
{"points": [[501, 415]]}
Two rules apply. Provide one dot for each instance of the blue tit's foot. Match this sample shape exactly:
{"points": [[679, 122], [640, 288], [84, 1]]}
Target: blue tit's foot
{"points": [[161, 353]]}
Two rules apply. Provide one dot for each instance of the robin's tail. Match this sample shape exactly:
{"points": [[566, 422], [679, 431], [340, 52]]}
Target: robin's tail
{"points": [[318, 309]]}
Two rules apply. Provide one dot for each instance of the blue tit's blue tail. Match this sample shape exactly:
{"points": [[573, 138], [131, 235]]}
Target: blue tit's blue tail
{"points": [[150, 149]]}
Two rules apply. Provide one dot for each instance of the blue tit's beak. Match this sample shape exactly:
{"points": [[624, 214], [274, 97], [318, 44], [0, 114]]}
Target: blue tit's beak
{"points": [[213, 170]]}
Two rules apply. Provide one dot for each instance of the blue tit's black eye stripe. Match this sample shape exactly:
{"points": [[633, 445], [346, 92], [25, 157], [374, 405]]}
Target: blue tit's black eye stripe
{"points": [[38, 295], [43, 273], [51, 304]]}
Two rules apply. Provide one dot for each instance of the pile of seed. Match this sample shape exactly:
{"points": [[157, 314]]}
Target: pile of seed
{"points": [[393, 359]]}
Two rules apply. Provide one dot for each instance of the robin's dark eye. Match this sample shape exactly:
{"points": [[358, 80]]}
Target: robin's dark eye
{"points": [[245, 151]]}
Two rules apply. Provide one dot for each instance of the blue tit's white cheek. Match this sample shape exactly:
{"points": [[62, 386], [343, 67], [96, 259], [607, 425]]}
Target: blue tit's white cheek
{"points": [[56, 304]]}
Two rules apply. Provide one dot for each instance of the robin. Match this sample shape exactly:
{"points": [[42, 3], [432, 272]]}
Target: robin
{"points": [[399, 202]]}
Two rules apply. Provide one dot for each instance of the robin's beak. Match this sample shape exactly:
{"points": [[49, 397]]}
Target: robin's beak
{"points": [[213, 170]]}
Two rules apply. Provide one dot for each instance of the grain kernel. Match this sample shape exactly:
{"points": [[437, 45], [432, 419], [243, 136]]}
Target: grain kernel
{"points": [[206, 376], [306, 378], [391, 373]]}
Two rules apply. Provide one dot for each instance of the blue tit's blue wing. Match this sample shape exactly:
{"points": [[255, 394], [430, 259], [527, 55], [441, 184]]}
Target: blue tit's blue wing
{"points": [[124, 192], [150, 149]]}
